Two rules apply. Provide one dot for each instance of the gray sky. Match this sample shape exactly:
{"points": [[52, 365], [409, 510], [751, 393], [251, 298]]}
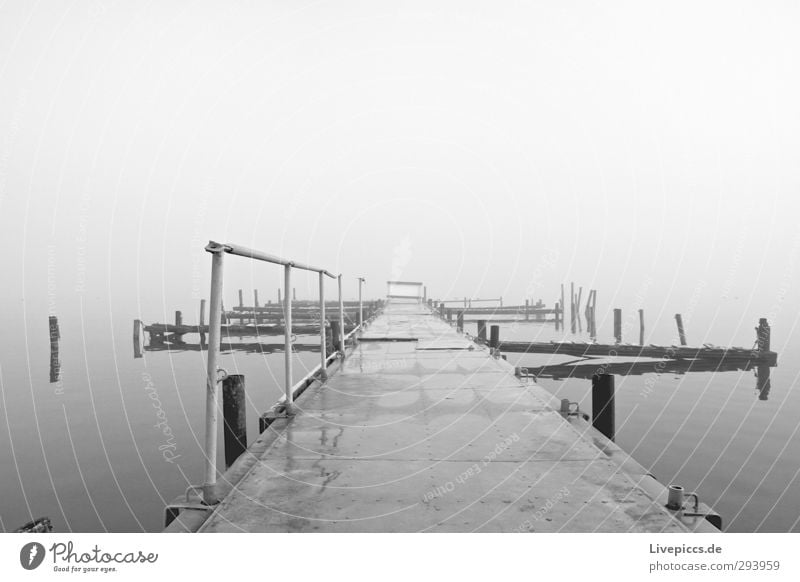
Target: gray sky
{"points": [[482, 149]]}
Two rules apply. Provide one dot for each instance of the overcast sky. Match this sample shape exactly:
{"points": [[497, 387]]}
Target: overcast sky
{"points": [[484, 148]]}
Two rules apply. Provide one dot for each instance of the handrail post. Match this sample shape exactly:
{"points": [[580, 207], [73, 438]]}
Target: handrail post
{"points": [[360, 305], [341, 318], [212, 376], [287, 336], [323, 356]]}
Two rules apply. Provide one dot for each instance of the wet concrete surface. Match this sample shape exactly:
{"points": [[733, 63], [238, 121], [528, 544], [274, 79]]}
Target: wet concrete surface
{"points": [[422, 430]]}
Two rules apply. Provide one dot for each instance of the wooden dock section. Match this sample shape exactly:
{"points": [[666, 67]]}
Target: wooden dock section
{"points": [[421, 429]]}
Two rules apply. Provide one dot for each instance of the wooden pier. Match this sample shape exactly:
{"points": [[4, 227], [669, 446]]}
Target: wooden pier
{"points": [[422, 429]]}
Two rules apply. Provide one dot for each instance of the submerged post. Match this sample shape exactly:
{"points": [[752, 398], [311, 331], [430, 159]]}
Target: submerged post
{"points": [[323, 356], [287, 338], [482, 329], [494, 338], [603, 404], [681, 332], [341, 318], [572, 307], [214, 332], [618, 326], [763, 333], [641, 327], [234, 413]]}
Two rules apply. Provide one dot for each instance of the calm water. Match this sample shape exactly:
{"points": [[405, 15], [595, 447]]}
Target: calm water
{"points": [[91, 452]]}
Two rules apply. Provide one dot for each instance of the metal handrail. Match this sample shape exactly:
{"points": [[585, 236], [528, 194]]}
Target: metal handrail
{"points": [[241, 251], [213, 378]]}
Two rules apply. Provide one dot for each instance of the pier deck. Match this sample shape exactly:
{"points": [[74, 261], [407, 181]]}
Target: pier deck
{"points": [[422, 430]]}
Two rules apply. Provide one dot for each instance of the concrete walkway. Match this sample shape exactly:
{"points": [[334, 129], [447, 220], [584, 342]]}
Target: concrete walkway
{"points": [[422, 430]]}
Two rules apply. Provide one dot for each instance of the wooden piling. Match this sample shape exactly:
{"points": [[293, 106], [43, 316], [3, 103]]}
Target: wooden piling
{"points": [[618, 326], [578, 308], [137, 339], [603, 414], [641, 327], [255, 297], [234, 412], [526, 309], [460, 321], [294, 294], [572, 307], [336, 335], [681, 332], [763, 333], [482, 329], [241, 299], [563, 315], [178, 318], [494, 338]]}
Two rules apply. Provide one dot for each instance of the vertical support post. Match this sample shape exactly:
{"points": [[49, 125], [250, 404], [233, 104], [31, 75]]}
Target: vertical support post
{"points": [[641, 327], [241, 299], [460, 321], [563, 315], [526, 309], [578, 308], [202, 321], [212, 382], [424, 293], [441, 309], [287, 339], [255, 298], [280, 301], [137, 340], [234, 414], [618, 326], [603, 417], [341, 318], [450, 315], [681, 332], [763, 333], [494, 338], [178, 318], [572, 307], [555, 314], [55, 336], [360, 304], [323, 356], [335, 336], [482, 329]]}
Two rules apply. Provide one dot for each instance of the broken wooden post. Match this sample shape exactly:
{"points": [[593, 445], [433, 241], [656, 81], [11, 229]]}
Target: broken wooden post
{"points": [[494, 338], [681, 332], [137, 343], [763, 333], [618, 326], [572, 307], [641, 327], [234, 413], [603, 404], [482, 329]]}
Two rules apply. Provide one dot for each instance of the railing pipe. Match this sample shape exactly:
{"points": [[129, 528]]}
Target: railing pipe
{"points": [[341, 318], [212, 375], [287, 337], [259, 256], [322, 346]]}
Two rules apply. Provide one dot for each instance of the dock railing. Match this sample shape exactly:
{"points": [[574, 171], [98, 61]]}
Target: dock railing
{"points": [[215, 374]]}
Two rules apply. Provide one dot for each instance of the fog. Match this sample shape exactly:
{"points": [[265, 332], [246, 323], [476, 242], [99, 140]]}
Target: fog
{"points": [[485, 150]]}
